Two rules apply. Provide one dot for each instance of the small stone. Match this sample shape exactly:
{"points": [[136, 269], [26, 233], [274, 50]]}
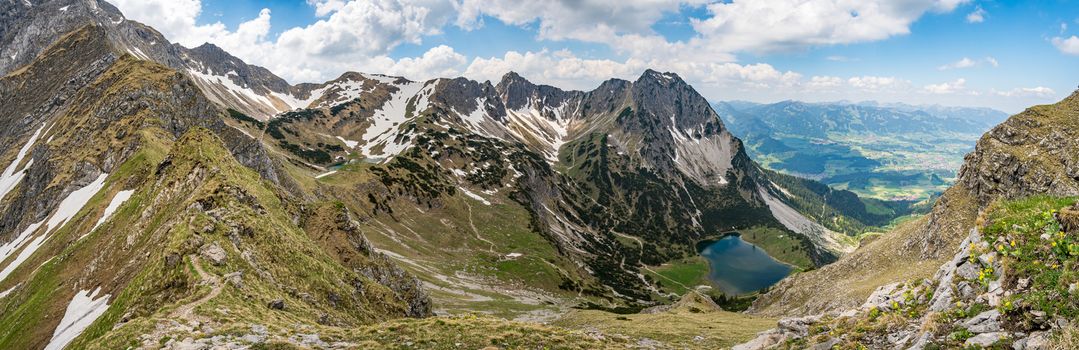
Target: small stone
{"points": [[277, 304], [1023, 283], [827, 344], [1039, 316], [324, 319], [921, 341], [1037, 340], [968, 271], [988, 258], [985, 322], [985, 339], [1061, 322], [172, 259], [235, 279]]}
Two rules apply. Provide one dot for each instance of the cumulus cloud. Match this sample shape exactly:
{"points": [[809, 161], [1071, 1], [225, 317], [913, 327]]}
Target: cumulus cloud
{"points": [[1068, 46], [174, 18], [874, 83], [825, 82], [1040, 91], [592, 20], [966, 62], [946, 87], [977, 16], [348, 35], [564, 69], [794, 24]]}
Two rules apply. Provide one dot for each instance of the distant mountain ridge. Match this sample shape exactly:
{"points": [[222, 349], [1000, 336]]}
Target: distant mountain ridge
{"points": [[881, 150]]}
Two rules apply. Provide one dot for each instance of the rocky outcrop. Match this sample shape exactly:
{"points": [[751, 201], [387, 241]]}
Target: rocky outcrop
{"points": [[1033, 152], [974, 299]]}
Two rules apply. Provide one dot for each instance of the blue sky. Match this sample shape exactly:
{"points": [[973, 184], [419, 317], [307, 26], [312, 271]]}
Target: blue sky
{"points": [[1000, 54]]}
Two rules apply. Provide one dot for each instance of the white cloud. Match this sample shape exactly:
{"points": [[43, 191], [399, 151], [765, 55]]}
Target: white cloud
{"points": [[348, 36], [947, 87], [978, 16], [563, 69], [1067, 45], [1040, 92], [174, 18], [963, 63], [825, 82], [874, 83], [326, 7], [558, 69], [795, 24], [966, 62], [593, 20]]}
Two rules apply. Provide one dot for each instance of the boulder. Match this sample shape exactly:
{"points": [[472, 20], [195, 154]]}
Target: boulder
{"points": [[213, 253]]}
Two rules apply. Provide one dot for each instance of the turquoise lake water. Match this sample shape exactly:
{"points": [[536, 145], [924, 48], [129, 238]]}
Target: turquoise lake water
{"points": [[738, 267]]}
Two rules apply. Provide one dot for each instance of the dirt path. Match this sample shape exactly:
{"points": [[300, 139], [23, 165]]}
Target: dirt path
{"points": [[187, 311], [664, 277], [477, 232]]}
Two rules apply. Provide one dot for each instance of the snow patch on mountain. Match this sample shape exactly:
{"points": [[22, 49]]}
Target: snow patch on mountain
{"points": [[64, 212], [531, 126], [117, 200], [474, 196], [382, 137], [706, 159], [10, 177], [351, 144], [85, 307], [222, 88]]}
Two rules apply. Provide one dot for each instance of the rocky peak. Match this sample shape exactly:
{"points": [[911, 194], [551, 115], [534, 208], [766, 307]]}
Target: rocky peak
{"points": [[651, 76], [668, 101], [518, 93], [211, 59], [28, 28]]}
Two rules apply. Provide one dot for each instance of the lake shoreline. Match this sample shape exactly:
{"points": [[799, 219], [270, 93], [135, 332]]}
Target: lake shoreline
{"points": [[746, 267]]}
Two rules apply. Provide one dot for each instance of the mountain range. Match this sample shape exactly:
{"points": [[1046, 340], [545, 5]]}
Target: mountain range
{"points": [[142, 174], [158, 196]]}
